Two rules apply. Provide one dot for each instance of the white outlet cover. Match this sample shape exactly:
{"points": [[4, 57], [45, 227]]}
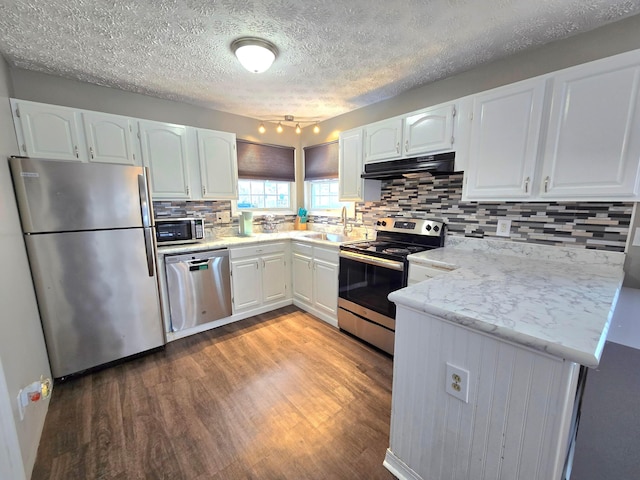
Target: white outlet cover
{"points": [[223, 217], [504, 228], [450, 379]]}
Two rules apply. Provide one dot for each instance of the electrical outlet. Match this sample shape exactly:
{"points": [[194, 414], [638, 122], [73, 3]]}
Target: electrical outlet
{"points": [[504, 228], [457, 382], [359, 217], [223, 217]]}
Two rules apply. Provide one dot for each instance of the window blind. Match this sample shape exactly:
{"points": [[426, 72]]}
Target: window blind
{"points": [[258, 161], [321, 161]]}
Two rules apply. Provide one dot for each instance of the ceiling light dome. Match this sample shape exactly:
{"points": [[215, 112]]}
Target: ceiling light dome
{"points": [[255, 54]]}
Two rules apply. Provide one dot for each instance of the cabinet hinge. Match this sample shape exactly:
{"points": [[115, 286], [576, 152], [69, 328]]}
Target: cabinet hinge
{"points": [[18, 112], [471, 116], [134, 156], [138, 135], [130, 128], [24, 147], [452, 139]]}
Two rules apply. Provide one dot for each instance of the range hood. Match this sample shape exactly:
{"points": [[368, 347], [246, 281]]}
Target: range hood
{"points": [[441, 164]]}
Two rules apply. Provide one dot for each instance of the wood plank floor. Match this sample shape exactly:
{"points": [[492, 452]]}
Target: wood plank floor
{"points": [[277, 396]]}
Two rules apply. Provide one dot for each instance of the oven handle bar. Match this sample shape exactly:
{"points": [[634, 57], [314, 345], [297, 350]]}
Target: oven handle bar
{"points": [[378, 262]]}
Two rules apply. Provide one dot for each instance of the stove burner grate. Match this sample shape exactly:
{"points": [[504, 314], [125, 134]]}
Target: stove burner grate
{"points": [[396, 251]]}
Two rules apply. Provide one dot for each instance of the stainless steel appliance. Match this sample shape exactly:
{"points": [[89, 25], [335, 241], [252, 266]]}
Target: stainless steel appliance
{"points": [[199, 286], [90, 237], [370, 271], [439, 164], [175, 231]]}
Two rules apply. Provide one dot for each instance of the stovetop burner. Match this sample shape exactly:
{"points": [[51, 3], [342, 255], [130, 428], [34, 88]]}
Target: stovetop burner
{"points": [[399, 237]]}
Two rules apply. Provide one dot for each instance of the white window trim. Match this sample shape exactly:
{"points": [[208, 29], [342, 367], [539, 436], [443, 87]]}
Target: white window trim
{"points": [[329, 212], [274, 211]]}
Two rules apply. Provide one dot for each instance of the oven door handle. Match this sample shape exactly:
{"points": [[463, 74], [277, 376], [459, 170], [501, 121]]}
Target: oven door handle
{"points": [[378, 262]]}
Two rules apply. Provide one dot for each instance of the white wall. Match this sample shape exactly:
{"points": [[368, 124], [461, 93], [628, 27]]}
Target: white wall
{"points": [[22, 349]]}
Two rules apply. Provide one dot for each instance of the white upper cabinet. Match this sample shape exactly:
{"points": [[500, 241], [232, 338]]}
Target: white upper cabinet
{"points": [[47, 131], [164, 151], [351, 187], [505, 133], [429, 131], [218, 164], [109, 138], [383, 140], [593, 142]]}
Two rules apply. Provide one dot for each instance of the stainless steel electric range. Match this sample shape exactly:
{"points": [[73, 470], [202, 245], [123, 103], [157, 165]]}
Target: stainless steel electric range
{"points": [[371, 270]]}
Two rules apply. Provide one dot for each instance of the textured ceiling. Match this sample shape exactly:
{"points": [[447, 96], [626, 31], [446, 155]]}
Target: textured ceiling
{"points": [[335, 55]]}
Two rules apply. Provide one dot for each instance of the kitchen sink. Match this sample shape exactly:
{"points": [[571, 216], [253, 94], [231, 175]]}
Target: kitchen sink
{"points": [[332, 237]]}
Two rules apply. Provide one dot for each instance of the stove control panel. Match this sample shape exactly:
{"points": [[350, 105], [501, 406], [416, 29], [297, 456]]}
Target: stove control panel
{"points": [[415, 226]]}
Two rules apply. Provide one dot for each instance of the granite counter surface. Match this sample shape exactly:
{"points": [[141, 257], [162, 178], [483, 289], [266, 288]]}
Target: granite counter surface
{"points": [[554, 299]]}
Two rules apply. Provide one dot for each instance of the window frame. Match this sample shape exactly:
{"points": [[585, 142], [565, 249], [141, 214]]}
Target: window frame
{"points": [[292, 210]]}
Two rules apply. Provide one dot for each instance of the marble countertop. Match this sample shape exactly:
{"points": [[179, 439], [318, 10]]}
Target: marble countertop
{"points": [[555, 299], [308, 236]]}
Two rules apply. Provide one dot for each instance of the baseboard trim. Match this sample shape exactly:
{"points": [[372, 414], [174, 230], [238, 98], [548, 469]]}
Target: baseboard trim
{"points": [[316, 313], [398, 467]]}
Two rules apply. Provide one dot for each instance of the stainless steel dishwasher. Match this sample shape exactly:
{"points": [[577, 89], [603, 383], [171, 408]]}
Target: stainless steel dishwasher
{"points": [[199, 286]]}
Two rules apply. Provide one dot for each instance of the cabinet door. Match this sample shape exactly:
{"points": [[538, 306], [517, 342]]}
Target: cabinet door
{"points": [[593, 143], [429, 131], [109, 138], [505, 133], [350, 166], [218, 164], [164, 151], [247, 283], [48, 131], [302, 277], [325, 281], [274, 277], [382, 140]]}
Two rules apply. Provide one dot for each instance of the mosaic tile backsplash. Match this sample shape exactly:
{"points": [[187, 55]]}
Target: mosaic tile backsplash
{"points": [[593, 225]]}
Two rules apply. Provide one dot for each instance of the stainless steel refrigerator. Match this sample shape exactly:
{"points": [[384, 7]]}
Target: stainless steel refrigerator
{"points": [[90, 238]]}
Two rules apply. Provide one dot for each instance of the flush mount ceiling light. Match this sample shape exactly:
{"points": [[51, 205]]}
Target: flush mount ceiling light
{"points": [[255, 54], [290, 119]]}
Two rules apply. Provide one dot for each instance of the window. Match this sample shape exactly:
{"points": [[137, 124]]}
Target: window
{"points": [[321, 198], [266, 178], [264, 194]]}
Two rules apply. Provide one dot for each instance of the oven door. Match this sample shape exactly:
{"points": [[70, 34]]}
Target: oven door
{"points": [[367, 281]]}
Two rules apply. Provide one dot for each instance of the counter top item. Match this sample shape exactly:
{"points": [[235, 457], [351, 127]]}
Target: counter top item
{"points": [[555, 299], [316, 237]]}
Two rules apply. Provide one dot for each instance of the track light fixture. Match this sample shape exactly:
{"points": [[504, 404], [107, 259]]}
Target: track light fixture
{"points": [[290, 119]]}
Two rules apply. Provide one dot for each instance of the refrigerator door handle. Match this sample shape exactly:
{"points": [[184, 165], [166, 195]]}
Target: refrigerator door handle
{"points": [[148, 245], [145, 207]]}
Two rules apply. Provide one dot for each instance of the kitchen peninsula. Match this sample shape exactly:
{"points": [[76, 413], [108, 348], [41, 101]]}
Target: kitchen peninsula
{"points": [[499, 341]]}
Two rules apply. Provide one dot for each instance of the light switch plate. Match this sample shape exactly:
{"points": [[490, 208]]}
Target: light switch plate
{"points": [[223, 217], [359, 217]]}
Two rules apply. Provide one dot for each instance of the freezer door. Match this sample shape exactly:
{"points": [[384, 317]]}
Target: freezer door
{"points": [[56, 196], [97, 301]]}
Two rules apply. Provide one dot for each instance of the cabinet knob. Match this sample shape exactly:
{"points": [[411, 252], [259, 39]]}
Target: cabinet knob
{"points": [[188, 190], [75, 149], [546, 184], [91, 152], [406, 145], [398, 147], [204, 190], [526, 185]]}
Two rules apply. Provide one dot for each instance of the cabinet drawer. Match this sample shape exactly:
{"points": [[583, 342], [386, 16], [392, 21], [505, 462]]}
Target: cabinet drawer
{"points": [[256, 250], [419, 273], [326, 254], [302, 248]]}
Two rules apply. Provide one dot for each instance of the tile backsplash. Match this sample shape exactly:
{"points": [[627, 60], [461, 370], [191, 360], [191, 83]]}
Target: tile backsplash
{"points": [[593, 225]]}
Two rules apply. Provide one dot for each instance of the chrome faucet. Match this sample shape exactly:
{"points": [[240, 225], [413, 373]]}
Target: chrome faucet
{"points": [[343, 217]]}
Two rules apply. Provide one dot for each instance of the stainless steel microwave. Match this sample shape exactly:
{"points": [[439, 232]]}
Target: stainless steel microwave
{"points": [[174, 231]]}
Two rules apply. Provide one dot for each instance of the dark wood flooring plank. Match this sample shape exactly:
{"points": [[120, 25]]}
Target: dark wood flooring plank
{"points": [[281, 395]]}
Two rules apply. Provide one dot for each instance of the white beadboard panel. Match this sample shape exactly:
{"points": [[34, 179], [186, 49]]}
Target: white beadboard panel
{"points": [[515, 424]]}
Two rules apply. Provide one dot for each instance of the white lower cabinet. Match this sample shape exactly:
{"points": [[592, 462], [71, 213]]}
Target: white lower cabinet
{"points": [[315, 280], [260, 277]]}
